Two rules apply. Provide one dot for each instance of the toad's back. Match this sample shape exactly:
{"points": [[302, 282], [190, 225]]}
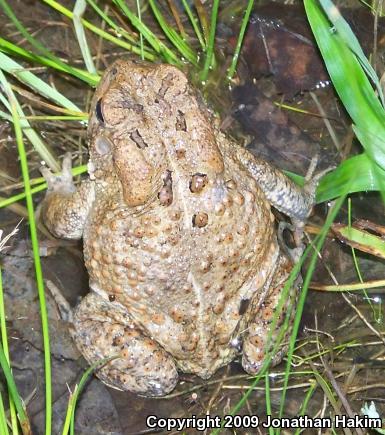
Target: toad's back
{"points": [[182, 270]]}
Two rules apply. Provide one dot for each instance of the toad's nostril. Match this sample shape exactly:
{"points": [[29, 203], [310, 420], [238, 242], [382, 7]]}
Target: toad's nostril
{"points": [[99, 111]]}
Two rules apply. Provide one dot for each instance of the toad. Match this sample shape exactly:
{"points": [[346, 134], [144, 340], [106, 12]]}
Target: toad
{"points": [[183, 254]]}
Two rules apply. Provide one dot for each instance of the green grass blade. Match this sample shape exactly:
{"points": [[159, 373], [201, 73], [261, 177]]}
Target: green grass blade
{"points": [[140, 35], [36, 257], [328, 392], [45, 118], [69, 422], [118, 29], [154, 42], [210, 45], [184, 49], [44, 151], [305, 403], [245, 21], [98, 31], [351, 83], [5, 116], [360, 286], [4, 342], [79, 9], [3, 418], [368, 177], [318, 242], [20, 196], [23, 418], [362, 240], [10, 48], [37, 45], [351, 41], [195, 25], [32, 81], [335, 183], [268, 400]]}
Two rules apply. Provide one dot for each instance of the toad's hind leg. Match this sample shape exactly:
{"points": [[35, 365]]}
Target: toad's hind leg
{"points": [[102, 330], [261, 315]]}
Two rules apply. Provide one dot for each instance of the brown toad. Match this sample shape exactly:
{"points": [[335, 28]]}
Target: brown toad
{"points": [[179, 240]]}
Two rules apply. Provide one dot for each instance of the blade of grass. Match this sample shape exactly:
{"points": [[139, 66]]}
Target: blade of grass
{"points": [[138, 11], [203, 19], [5, 116], [32, 81], [327, 390], [56, 118], [152, 39], [20, 196], [367, 285], [318, 242], [39, 46], [118, 29], [3, 418], [44, 151], [10, 48], [69, 422], [23, 418], [78, 12], [361, 240], [4, 342], [351, 84], [177, 19], [357, 267], [351, 41], [335, 183], [305, 403], [210, 45], [245, 21], [100, 32], [268, 400], [36, 257], [184, 49], [194, 24]]}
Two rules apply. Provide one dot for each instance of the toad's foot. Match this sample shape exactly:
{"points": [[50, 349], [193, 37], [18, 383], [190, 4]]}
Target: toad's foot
{"points": [[102, 330], [310, 187], [63, 182], [65, 208]]}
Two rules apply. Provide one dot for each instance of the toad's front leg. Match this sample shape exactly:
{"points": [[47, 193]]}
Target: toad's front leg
{"points": [[65, 208]]}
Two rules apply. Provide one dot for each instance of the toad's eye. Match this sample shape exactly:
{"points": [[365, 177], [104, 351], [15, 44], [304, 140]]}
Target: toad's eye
{"points": [[99, 111]]}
